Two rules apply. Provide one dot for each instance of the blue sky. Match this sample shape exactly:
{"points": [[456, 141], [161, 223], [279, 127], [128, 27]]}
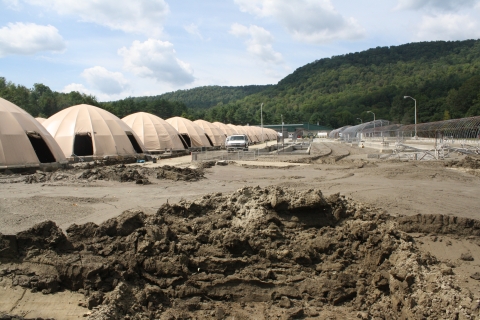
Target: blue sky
{"points": [[115, 49]]}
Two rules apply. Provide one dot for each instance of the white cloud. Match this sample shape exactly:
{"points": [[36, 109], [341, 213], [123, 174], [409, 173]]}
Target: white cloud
{"points": [[156, 59], [106, 81], [13, 4], [140, 16], [314, 21], [193, 30], [76, 87], [259, 44], [444, 5], [29, 38], [448, 27]]}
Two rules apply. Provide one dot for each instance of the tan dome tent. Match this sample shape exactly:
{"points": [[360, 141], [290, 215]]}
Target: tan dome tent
{"points": [[41, 120], [251, 133], [193, 135], [216, 135], [272, 135], [267, 133], [238, 129], [155, 133], [24, 142], [88, 131], [244, 130], [258, 132], [227, 131]]}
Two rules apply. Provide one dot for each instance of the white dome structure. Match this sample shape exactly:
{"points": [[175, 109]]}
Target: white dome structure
{"points": [[155, 133], [24, 142], [193, 135], [216, 135], [84, 130], [227, 130], [41, 120]]}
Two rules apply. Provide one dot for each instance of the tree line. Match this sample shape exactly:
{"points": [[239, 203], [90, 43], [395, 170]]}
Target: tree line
{"points": [[41, 101]]}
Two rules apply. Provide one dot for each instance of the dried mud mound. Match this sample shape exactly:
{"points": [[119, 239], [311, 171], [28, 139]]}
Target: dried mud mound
{"points": [[257, 253], [120, 173], [440, 224], [466, 163]]}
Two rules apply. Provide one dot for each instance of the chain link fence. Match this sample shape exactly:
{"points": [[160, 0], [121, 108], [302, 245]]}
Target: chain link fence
{"points": [[225, 155]]}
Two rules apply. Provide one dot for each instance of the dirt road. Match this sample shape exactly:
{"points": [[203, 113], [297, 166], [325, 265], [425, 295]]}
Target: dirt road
{"points": [[405, 188]]}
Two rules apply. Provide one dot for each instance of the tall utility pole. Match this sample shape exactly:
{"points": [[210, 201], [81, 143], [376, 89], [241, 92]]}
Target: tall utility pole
{"points": [[283, 138], [373, 122], [261, 119], [282, 122], [405, 97]]}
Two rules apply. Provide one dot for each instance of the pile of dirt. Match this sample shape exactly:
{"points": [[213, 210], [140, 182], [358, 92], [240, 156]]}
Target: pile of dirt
{"points": [[440, 224], [184, 174], [257, 253], [466, 163], [120, 172]]}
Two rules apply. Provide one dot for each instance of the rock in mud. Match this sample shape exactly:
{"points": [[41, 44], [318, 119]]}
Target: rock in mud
{"points": [[475, 276], [467, 256]]}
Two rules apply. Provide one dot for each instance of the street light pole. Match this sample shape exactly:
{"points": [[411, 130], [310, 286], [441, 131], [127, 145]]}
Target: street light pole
{"points": [[261, 119], [373, 122], [361, 121], [282, 123], [405, 97]]}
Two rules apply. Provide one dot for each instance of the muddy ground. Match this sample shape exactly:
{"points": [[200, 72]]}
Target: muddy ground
{"points": [[260, 242]]}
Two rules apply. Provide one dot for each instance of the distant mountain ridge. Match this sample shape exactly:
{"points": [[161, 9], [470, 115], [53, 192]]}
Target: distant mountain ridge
{"points": [[208, 96]]}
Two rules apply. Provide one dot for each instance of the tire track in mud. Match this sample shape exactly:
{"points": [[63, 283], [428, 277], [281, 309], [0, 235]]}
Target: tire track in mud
{"points": [[335, 153], [317, 151]]}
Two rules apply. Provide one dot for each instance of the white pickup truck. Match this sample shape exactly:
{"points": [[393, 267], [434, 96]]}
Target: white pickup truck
{"points": [[237, 142]]}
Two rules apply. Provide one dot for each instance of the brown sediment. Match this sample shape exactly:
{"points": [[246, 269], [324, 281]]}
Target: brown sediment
{"points": [[255, 253]]}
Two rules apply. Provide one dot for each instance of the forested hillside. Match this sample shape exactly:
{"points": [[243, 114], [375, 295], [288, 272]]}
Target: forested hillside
{"points": [[444, 78], [208, 96]]}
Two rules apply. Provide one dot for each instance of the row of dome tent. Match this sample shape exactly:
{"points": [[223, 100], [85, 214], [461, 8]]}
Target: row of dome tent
{"points": [[84, 130]]}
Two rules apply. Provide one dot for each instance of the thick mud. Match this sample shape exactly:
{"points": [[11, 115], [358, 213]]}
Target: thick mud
{"points": [[92, 172], [257, 253], [469, 162]]}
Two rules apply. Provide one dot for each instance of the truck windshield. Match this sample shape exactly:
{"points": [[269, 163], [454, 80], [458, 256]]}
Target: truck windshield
{"points": [[237, 138]]}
